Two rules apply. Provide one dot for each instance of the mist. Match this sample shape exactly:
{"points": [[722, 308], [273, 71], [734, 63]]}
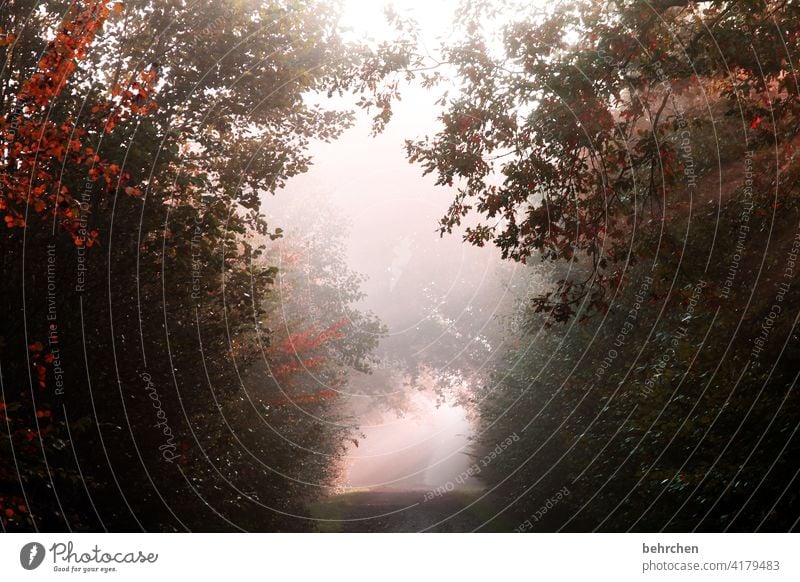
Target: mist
{"points": [[440, 299]]}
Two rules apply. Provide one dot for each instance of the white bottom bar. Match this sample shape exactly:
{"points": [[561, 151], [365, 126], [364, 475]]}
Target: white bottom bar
{"points": [[406, 557]]}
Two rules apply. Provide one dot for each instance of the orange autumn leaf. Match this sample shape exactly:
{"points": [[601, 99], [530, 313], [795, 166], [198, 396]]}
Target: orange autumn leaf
{"points": [[40, 149]]}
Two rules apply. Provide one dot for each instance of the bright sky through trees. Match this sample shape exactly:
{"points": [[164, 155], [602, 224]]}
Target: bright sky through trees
{"points": [[367, 17]]}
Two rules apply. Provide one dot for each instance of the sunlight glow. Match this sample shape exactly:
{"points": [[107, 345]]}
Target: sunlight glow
{"points": [[367, 18]]}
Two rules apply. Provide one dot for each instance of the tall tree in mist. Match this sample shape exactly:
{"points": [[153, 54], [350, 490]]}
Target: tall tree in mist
{"points": [[647, 150], [138, 141]]}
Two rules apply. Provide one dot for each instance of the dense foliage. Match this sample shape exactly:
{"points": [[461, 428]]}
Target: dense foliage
{"points": [[139, 139], [173, 361], [647, 151]]}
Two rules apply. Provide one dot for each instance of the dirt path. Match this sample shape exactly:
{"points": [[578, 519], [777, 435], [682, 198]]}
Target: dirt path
{"points": [[404, 511]]}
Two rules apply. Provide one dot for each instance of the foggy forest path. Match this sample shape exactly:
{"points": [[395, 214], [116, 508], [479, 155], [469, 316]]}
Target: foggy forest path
{"points": [[397, 510]]}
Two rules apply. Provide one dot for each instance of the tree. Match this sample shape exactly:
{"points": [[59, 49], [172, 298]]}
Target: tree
{"points": [[43, 155], [581, 116], [644, 150], [132, 325]]}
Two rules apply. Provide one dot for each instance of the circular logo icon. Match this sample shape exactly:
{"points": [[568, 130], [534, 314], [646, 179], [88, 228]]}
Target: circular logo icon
{"points": [[31, 555]]}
